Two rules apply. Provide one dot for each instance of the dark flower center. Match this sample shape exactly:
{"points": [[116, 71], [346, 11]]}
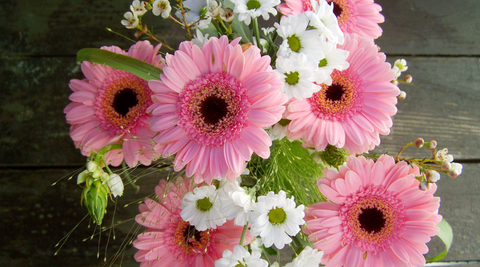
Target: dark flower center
{"points": [[337, 10], [191, 234], [371, 220], [213, 109], [124, 100], [334, 92]]}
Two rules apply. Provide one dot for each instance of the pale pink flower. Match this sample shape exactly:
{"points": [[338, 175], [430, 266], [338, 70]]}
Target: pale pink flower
{"points": [[170, 241], [377, 216], [355, 109], [211, 106], [109, 107], [354, 16]]}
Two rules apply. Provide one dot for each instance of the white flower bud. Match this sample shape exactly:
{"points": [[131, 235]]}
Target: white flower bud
{"points": [[402, 95], [456, 170], [115, 184], [432, 176], [213, 9], [91, 166], [446, 165]]}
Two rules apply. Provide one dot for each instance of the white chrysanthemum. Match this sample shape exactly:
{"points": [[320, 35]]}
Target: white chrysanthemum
{"points": [[307, 258], [249, 9], [162, 7], [138, 8], [296, 37], [114, 182], [275, 217], [240, 257], [323, 18], [199, 39], [277, 131], [195, 9], [235, 203], [130, 21], [201, 208], [297, 73], [335, 59]]}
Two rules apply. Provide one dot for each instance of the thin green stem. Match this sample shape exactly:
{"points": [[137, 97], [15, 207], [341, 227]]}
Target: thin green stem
{"points": [[257, 32], [127, 175], [243, 234]]}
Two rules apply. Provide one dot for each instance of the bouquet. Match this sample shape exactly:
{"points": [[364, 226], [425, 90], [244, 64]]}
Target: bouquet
{"points": [[265, 128]]}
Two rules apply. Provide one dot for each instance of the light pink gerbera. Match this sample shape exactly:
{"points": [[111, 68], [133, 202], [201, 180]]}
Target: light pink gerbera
{"points": [[109, 107], [377, 217], [211, 106], [170, 241], [355, 109], [354, 16]]}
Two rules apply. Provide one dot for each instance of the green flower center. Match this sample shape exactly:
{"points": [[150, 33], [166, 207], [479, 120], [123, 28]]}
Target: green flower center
{"points": [[294, 43], [292, 78], [284, 122], [204, 204], [277, 216], [253, 4], [239, 265], [322, 63]]}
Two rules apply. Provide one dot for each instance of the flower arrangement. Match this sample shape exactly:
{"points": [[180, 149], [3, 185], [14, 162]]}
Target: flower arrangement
{"points": [[267, 130]]}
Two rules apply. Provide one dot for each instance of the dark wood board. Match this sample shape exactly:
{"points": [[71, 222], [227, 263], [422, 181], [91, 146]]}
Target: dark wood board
{"points": [[62, 27], [36, 215]]}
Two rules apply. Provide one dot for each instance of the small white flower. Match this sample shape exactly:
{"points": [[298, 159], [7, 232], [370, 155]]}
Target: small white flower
{"points": [[308, 258], [197, 9], [401, 64], [213, 9], [442, 155], [162, 7], [114, 182], [227, 14], [138, 8], [296, 73], [130, 21], [249, 9], [235, 203], [199, 39], [297, 39], [275, 217], [456, 170], [240, 257], [277, 131], [335, 59], [201, 208], [325, 21]]}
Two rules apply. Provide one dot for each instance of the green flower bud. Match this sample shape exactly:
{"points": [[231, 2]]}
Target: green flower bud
{"points": [[333, 156], [95, 198]]}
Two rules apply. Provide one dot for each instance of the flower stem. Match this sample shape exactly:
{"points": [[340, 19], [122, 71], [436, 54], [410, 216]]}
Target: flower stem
{"points": [[243, 234], [257, 33], [127, 175]]}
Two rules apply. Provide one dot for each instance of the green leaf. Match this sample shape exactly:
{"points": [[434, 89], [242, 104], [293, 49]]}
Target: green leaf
{"points": [[446, 235], [121, 62]]}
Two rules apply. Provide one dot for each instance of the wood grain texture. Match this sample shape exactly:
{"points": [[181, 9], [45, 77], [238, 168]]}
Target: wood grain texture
{"points": [[430, 27], [441, 104]]}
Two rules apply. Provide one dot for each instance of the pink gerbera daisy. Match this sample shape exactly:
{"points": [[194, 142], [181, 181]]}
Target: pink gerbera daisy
{"points": [[354, 16], [109, 107], [378, 216], [355, 109], [170, 241], [211, 106]]}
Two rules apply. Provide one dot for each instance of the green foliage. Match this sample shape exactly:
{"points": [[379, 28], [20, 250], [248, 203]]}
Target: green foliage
{"points": [[446, 235], [121, 62], [290, 168]]}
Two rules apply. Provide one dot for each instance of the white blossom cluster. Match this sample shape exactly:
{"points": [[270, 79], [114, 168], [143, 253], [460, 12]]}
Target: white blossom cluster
{"points": [[308, 53], [95, 172]]}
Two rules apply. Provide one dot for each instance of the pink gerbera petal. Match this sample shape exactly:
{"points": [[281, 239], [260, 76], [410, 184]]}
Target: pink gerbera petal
{"points": [[353, 116], [170, 241], [377, 227], [115, 102], [224, 97]]}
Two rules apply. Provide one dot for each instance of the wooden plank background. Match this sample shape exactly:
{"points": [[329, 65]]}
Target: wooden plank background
{"points": [[440, 40]]}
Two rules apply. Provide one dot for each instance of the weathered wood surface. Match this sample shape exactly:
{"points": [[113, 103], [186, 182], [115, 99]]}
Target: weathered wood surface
{"points": [[439, 38]]}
